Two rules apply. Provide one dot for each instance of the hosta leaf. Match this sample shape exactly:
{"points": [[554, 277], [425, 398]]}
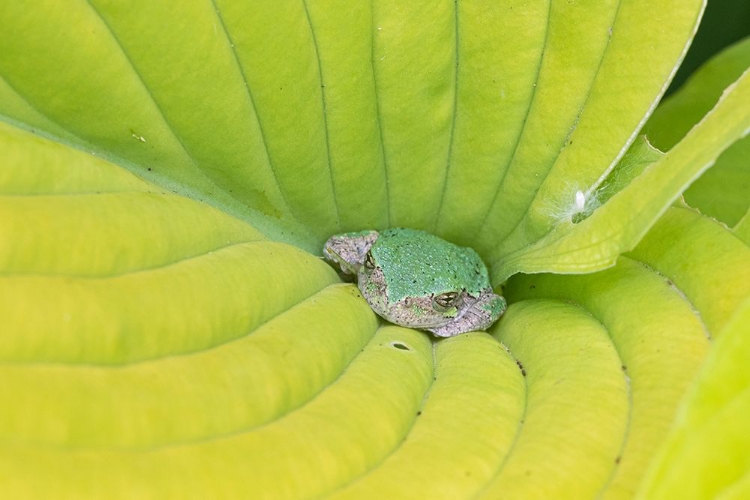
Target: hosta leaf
{"points": [[160, 337], [306, 452], [721, 192], [742, 229], [64, 212], [621, 222], [715, 277], [644, 347], [594, 390], [258, 108], [100, 267], [558, 139], [201, 137], [681, 111], [70, 405], [707, 453], [464, 428], [562, 425], [659, 325]]}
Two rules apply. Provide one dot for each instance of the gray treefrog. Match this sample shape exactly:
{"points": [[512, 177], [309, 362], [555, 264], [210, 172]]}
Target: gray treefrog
{"points": [[415, 279]]}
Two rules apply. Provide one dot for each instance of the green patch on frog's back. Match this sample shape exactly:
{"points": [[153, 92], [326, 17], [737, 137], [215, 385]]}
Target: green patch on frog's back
{"points": [[419, 264]]}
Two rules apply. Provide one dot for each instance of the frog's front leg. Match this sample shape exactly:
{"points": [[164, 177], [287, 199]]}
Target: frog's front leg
{"points": [[479, 316], [349, 250]]}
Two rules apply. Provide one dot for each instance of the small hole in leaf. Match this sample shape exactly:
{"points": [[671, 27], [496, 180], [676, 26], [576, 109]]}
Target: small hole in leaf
{"points": [[402, 346]]}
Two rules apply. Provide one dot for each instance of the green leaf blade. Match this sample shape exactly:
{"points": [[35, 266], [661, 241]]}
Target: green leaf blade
{"points": [[576, 406], [494, 91], [466, 425], [706, 454], [648, 321], [597, 132], [714, 276], [345, 36], [166, 341], [78, 410], [238, 464], [721, 192], [414, 65], [617, 226]]}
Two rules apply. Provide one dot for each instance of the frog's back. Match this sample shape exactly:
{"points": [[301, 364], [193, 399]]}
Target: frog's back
{"points": [[417, 262]]}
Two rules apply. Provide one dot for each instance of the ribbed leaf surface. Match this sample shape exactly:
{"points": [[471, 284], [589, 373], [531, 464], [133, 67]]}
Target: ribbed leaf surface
{"points": [[169, 172]]}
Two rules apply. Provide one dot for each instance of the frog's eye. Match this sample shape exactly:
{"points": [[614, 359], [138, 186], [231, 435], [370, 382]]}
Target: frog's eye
{"points": [[369, 262], [447, 299]]}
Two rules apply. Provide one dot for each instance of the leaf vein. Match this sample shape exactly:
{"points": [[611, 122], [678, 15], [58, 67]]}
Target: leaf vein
{"points": [[179, 140], [325, 113], [378, 113], [525, 121], [453, 120], [251, 97], [573, 127]]}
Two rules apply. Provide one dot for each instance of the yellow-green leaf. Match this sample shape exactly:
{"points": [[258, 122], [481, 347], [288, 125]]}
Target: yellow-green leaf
{"points": [[168, 174], [720, 192], [619, 224], [707, 454]]}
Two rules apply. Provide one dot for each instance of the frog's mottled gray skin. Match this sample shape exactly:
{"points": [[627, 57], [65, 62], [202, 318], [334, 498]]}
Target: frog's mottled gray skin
{"points": [[413, 278]]}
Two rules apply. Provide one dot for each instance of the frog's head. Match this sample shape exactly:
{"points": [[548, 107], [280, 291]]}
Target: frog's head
{"points": [[445, 313], [413, 311], [479, 314]]}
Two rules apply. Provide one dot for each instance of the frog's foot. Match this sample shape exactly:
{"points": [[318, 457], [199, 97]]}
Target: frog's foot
{"points": [[349, 250], [480, 316]]}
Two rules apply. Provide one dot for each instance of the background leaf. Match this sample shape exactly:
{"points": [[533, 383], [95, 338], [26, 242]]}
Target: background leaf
{"points": [[724, 22], [619, 224], [706, 454], [720, 192], [659, 325]]}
